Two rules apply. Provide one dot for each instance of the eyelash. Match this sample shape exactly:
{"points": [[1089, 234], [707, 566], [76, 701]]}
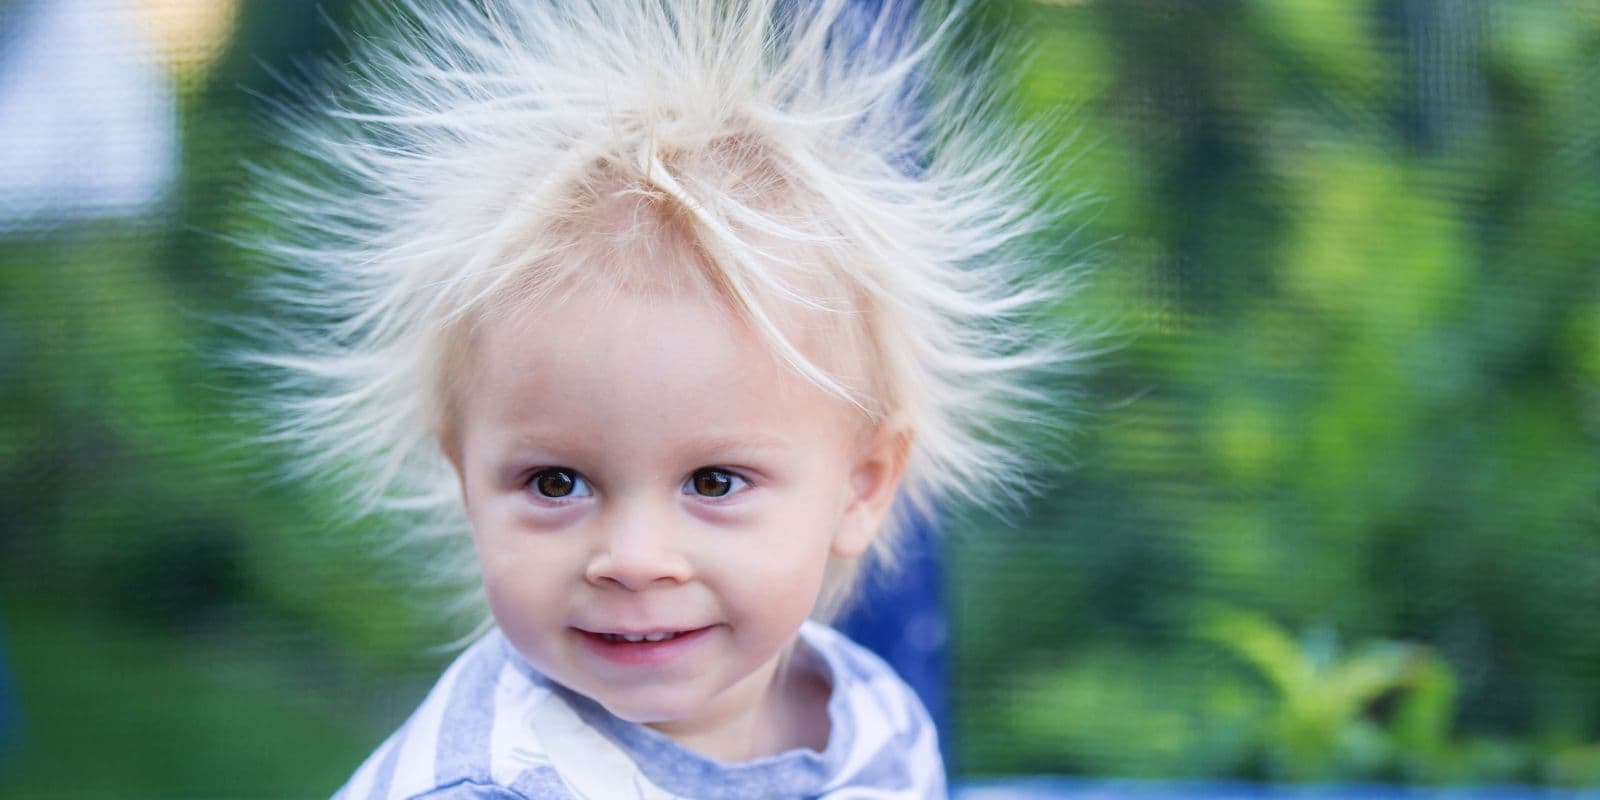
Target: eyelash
{"points": [[577, 486]]}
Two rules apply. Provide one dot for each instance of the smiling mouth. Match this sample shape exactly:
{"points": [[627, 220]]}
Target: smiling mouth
{"points": [[636, 638], [648, 649], [652, 637]]}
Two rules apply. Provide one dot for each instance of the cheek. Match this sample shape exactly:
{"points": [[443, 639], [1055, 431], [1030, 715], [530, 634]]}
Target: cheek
{"points": [[780, 575], [518, 597], [526, 580], [529, 608]]}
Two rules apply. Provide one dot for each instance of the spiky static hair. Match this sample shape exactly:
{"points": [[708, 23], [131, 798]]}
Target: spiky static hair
{"points": [[805, 144]]}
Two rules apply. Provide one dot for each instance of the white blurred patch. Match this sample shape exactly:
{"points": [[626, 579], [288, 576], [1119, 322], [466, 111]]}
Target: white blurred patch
{"points": [[88, 114]]}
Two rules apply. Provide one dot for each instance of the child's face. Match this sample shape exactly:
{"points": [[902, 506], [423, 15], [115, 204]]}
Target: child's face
{"points": [[645, 467]]}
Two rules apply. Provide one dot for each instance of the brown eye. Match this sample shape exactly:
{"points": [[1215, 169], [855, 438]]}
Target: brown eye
{"points": [[558, 483], [714, 482]]}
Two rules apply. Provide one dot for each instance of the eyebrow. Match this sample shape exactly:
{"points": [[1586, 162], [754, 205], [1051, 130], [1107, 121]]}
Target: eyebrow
{"points": [[539, 437], [744, 441]]}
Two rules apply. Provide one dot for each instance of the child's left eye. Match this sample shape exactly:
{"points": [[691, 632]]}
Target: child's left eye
{"points": [[558, 483], [712, 482]]}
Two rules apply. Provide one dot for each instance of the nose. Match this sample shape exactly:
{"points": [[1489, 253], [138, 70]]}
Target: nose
{"points": [[636, 550]]}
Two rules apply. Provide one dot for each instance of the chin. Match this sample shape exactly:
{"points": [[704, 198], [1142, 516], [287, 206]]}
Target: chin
{"points": [[650, 711]]}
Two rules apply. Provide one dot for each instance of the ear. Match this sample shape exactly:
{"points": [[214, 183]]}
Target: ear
{"points": [[449, 441], [880, 463]]}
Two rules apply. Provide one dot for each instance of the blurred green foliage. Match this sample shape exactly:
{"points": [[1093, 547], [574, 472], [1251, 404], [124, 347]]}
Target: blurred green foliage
{"points": [[1351, 250], [1347, 255]]}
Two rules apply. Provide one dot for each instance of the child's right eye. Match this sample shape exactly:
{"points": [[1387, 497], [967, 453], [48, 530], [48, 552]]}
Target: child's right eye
{"points": [[558, 483]]}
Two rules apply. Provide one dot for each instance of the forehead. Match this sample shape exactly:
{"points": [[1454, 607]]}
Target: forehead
{"points": [[612, 369], [624, 250]]}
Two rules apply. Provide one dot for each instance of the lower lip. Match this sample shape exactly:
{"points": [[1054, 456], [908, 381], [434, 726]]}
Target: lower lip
{"points": [[642, 653]]}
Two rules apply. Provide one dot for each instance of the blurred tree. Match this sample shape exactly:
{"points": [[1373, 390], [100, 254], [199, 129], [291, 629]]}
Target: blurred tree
{"points": [[1360, 240]]}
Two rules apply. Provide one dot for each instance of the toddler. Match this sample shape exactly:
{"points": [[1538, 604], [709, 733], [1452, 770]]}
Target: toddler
{"points": [[651, 310]]}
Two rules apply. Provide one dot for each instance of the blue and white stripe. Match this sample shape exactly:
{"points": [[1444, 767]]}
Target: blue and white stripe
{"points": [[494, 728]]}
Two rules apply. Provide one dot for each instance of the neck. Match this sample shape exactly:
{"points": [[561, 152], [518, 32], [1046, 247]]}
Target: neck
{"points": [[785, 708]]}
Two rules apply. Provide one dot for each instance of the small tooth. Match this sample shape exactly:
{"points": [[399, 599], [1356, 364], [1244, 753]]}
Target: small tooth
{"points": [[632, 638], [656, 637]]}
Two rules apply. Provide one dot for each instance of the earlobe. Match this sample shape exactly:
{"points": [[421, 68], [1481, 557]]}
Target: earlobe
{"points": [[874, 479]]}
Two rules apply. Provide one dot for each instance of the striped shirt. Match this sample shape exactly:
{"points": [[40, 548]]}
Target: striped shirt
{"points": [[494, 729]]}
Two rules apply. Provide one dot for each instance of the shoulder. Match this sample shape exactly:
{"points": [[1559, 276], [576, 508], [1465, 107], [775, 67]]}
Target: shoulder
{"points": [[467, 739], [470, 790], [859, 674], [530, 787], [878, 720]]}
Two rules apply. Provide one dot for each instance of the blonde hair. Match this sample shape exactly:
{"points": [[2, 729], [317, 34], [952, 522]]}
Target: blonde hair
{"points": [[462, 157]]}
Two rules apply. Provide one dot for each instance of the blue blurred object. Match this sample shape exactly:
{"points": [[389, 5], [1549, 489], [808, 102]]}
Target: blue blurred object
{"points": [[900, 615], [1077, 789]]}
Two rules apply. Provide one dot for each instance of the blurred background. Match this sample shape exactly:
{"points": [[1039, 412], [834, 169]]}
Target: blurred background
{"points": [[1331, 512]]}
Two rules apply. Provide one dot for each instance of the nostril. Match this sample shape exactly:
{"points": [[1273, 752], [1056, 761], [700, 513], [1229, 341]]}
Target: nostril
{"points": [[633, 550], [637, 573]]}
